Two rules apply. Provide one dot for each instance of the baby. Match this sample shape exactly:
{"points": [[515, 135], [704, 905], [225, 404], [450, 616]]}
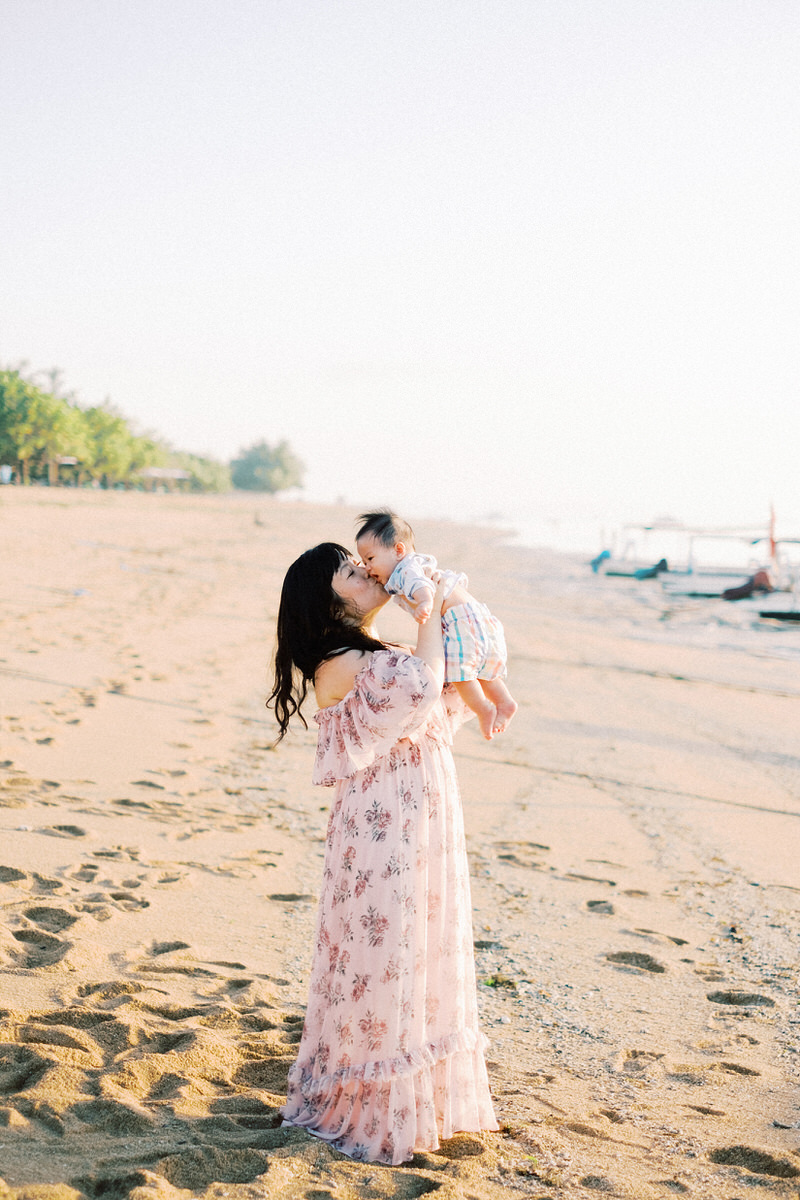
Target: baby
{"points": [[474, 644]]}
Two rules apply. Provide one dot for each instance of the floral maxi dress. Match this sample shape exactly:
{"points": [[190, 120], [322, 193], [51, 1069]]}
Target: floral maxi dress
{"points": [[391, 1057]]}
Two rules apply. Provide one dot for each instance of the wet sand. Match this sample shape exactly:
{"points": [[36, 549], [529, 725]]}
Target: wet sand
{"points": [[634, 845]]}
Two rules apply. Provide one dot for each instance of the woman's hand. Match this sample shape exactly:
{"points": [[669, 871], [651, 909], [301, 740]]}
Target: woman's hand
{"points": [[430, 647], [439, 597]]}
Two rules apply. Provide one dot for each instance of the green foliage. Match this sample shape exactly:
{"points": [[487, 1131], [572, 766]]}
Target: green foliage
{"points": [[26, 417], [146, 452], [265, 468], [206, 474], [38, 428], [111, 456]]}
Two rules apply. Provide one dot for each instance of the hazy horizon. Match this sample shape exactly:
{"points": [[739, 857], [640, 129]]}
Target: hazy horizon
{"points": [[528, 258]]}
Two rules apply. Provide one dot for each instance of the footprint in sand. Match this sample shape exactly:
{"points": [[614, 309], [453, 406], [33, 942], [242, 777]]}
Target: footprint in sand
{"points": [[459, 1146], [176, 1012], [121, 1120], [690, 1074], [589, 878], [522, 854], [741, 999], [15, 792], [600, 906], [110, 991], [173, 1070], [129, 903], [20, 1068], [43, 949], [99, 904], [734, 1069], [41, 883], [168, 947], [73, 831], [196, 1170], [597, 1183], [677, 941], [41, 1112], [756, 1161], [85, 873], [235, 986], [54, 920], [643, 962], [266, 1074], [55, 1035], [638, 1062], [11, 875], [190, 971]]}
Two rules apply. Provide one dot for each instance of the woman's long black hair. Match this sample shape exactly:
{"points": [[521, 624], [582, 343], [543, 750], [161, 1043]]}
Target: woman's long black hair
{"points": [[311, 628]]}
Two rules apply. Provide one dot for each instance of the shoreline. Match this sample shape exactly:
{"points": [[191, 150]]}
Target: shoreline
{"points": [[636, 908]]}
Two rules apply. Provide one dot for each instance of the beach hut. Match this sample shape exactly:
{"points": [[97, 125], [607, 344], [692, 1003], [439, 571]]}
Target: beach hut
{"points": [[164, 477]]}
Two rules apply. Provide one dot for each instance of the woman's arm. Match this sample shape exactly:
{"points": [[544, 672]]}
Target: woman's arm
{"points": [[430, 646]]}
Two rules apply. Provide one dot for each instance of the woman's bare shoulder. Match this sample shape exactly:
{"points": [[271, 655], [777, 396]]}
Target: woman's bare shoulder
{"points": [[335, 677]]}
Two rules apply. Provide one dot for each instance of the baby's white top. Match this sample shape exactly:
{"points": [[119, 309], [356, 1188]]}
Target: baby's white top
{"points": [[412, 575]]}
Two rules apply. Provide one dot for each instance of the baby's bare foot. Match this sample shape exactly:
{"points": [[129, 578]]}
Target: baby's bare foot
{"points": [[503, 715], [486, 719]]}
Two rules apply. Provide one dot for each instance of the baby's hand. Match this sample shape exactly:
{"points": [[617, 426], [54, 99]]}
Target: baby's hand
{"points": [[422, 612]]}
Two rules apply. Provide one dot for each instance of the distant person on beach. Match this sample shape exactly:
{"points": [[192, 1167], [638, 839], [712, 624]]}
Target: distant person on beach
{"points": [[474, 643], [391, 1057]]}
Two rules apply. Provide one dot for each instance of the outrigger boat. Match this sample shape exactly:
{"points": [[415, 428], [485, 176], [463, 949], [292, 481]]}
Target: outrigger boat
{"points": [[766, 575]]}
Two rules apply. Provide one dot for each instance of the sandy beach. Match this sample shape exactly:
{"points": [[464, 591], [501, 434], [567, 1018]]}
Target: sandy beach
{"points": [[634, 840]]}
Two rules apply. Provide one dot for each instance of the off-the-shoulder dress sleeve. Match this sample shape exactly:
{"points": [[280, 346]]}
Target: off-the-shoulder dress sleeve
{"points": [[394, 696]]}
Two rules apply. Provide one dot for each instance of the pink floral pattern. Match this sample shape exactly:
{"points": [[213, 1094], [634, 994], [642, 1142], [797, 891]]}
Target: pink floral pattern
{"points": [[391, 1057]]}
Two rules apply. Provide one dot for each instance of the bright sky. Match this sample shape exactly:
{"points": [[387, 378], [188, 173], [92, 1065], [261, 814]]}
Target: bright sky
{"points": [[468, 256]]}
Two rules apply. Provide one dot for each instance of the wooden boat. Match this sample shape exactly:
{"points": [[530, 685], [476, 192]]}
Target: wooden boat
{"points": [[698, 582]]}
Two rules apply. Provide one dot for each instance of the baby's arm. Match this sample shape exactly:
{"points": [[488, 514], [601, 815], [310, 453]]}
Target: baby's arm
{"points": [[420, 595]]}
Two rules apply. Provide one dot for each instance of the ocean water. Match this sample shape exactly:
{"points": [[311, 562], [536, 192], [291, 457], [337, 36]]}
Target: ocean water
{"points": [[645, 609], [646, 542], [648, 609]]}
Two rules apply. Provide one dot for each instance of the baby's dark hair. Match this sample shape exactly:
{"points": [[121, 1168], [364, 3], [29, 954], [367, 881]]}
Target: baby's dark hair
{"points": [[386, 527]]}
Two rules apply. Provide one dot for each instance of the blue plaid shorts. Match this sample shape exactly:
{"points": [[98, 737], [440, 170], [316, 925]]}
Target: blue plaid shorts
{"points": [[474, 644]]}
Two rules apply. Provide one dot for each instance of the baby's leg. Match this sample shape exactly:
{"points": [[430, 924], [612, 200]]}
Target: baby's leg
{"points": [[503, 702], [472, 693]]}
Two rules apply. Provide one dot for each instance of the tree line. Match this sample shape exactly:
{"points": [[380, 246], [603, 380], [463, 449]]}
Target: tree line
{"points": [[46, 436]]}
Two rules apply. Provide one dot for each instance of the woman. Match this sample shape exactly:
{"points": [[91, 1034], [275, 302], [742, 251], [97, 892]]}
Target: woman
{"points": [[391, 1057]]}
